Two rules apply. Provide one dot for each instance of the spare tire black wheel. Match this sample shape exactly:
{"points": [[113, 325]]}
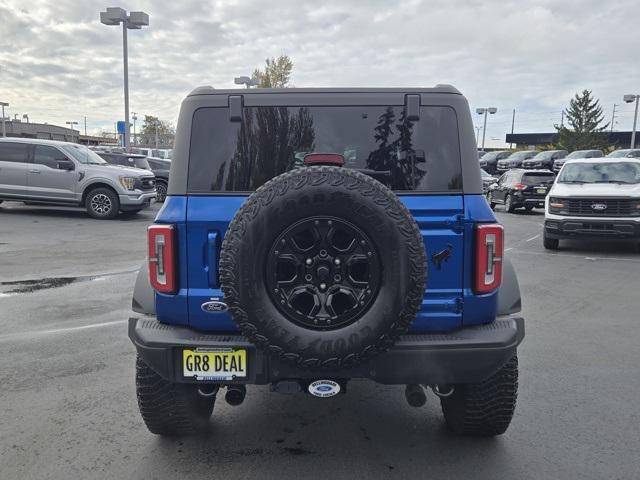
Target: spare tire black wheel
{"points": [[323, 267]]}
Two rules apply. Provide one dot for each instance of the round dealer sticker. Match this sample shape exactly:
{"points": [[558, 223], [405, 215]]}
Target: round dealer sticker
{"points": [[324, 388]]}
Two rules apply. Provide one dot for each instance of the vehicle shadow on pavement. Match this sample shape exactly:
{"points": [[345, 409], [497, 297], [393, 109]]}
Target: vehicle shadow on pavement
{"points": [[69, 212], [368, 433]]}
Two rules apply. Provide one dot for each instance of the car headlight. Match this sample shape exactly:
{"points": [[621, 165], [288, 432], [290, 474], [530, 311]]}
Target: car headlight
{"points": [[127, 182], [557, 205]]}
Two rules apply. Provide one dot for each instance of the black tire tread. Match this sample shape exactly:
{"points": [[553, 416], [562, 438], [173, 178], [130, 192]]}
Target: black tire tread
{"points": [[115, 200], [550, 243], [318, 175], [483, 409], [170, 408]]}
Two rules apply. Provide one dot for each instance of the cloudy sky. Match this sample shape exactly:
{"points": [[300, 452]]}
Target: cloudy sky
{"points": [[58, 63]]}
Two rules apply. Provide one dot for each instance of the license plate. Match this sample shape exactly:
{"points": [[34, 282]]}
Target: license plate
{"points": [[214, 364], [541, 190]]}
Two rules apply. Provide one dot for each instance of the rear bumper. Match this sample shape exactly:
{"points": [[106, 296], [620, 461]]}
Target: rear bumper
{"points": [[467, 355], [591, 228], [532, 200]]}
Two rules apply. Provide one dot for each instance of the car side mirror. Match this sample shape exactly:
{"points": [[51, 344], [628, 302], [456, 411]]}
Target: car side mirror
{"points": [[64, 164]]}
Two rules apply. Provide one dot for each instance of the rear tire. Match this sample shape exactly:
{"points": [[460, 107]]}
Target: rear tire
{"points": [[483, 409], [170, 408], [550, 243], [490, 201], [102, 203], [508, 204]]}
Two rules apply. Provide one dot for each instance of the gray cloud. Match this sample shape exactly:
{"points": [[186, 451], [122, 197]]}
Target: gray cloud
{"points": [[57, 62]]}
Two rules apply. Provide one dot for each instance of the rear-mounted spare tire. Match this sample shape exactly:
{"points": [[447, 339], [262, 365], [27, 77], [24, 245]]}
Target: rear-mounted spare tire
{"points": [[323, 267]]}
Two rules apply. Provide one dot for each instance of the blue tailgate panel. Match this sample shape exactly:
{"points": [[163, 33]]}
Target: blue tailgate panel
{"points": [[441, 225]]}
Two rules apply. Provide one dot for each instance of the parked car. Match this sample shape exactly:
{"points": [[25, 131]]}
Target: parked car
{"points": [[557, 165], [520, 188], [487, 180], [126, 160], [544, 159], [489, 162], [481, 153], [594, 198], [314, 279], [160, 153], [61, 173], [625, 153], [160, 169], [515, 160]]}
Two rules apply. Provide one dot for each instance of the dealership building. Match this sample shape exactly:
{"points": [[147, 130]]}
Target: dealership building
{"points": [[533, 140], [45, 131]]}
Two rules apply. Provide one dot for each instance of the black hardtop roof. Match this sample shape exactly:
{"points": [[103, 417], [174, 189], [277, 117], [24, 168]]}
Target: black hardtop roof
{"points": [[209, 90]]}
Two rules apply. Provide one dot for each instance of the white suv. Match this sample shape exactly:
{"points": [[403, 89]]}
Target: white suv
{"points": [[594, 198]]}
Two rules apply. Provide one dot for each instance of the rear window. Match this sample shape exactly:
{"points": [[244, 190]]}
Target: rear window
{"points": [[13, 152], [537, 178], [422, 156]]}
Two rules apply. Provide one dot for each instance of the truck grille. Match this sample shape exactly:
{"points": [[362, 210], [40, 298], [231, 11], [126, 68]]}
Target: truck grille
{"points": [[593, 207], [147, 183]]}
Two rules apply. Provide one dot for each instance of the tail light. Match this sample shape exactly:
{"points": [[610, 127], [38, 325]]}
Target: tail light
{"points": [[489, 251], [162, 258], [519, 186]]}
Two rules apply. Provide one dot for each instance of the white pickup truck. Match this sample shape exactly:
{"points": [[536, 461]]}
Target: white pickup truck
{"points": [[594, 198]]}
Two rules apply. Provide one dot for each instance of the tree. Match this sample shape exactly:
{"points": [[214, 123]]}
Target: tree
{"points": [[276, 74], [147, 134], [585, 130]]}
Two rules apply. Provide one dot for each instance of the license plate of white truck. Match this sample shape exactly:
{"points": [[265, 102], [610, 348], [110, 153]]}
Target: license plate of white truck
{"points": [[214, 364]]}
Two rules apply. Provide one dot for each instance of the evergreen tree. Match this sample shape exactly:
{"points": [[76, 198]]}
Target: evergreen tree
{"points": [[583, 127]]}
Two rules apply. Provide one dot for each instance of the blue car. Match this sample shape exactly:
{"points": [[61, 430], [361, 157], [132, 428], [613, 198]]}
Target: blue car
{"points": [[314, 236]]}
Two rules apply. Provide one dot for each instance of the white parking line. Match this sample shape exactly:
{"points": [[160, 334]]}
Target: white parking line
{"points": [[37, 333], [532, 238]]}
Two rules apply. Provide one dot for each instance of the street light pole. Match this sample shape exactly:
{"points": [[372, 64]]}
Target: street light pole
{"points": [[477, 135], [484, 111], [135, 117], [132, 21], [4, 129], [71, 124], [125, 57], [629, 99]]}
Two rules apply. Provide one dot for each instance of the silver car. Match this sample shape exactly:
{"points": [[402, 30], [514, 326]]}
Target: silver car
{"points": [[61, 173]]}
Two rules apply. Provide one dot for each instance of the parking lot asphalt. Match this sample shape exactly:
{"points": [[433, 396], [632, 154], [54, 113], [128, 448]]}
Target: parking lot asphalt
{"points": [[67, 374]]}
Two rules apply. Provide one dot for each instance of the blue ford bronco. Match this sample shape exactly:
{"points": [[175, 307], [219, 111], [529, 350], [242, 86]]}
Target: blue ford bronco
{"points": [[313, 236]]}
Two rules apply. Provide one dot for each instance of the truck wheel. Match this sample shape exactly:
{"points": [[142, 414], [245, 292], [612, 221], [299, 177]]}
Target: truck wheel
{"points": [[483, 409], [323, 267], [170, 408], [508, 204], [102, 203], [161, 192], [550, 243], [490, 201]]}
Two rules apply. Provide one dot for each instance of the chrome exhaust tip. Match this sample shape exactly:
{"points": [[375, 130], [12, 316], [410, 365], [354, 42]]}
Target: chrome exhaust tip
{"points": [[235, 394], [415, 395]]}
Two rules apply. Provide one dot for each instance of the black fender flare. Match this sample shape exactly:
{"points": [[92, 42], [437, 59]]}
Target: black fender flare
{"points": [[509, 300], [144, 298]]}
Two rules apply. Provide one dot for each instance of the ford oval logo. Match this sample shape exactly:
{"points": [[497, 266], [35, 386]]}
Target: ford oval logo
{"points": [[599, 206], [214, 306], [324, 388]]}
